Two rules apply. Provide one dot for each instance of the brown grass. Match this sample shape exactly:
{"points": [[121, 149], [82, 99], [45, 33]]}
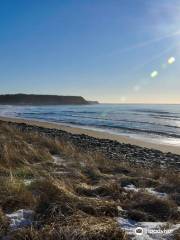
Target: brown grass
{"points": [[14, 195], [83, 203], [57, 202], [4, 224], [77, 227], [156, 209], [176, 235]]}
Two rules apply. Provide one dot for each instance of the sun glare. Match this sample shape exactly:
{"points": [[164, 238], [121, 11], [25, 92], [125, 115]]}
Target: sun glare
{"points": [[154, 74], [171, 60]]}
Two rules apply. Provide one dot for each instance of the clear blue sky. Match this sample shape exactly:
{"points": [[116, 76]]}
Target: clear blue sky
{"points": [[107, 50]]}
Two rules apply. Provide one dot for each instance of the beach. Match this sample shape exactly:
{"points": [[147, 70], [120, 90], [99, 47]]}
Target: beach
{"points": [[113, 146], [96, 134]]}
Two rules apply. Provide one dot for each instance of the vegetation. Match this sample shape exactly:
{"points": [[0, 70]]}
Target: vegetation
{"points": [[34, 99], [76, 195]]}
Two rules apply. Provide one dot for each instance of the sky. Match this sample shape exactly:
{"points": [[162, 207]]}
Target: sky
{"points": [[113, 51]]}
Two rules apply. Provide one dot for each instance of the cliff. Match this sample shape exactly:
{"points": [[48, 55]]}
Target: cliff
{"points": [[32, 99]]}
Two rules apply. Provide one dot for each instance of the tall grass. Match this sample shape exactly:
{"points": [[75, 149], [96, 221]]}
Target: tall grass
{"points": [[79, 198]]}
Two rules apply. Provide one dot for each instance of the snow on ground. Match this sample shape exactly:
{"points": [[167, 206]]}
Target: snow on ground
{"points": [[158, 194], [58, 160], [147, 230], [61, 163], [132, 187], [28, 182], [21, 218]]}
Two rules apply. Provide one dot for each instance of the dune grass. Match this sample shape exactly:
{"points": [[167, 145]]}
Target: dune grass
{"points": [[80, 197]]}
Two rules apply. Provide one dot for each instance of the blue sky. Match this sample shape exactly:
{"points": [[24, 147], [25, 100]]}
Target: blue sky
{"points": [[103, 50]]}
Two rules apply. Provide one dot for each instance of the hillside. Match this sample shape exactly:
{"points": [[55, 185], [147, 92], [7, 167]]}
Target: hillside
{"points": [[32, 99]]}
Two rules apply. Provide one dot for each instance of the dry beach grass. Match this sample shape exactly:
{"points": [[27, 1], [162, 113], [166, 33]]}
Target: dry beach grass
{"points": [[76, 194]]}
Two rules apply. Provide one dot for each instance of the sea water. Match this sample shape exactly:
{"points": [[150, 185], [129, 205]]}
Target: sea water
{"points": [[153, 123]]}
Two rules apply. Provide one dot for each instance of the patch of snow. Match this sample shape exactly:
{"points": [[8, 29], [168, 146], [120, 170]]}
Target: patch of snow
{"points": [[61, 164], [27, 182], [119, 208], [82, 164], [147, 230], [62, 172], [21, 218], [158, 194], [58, 160], [132, 187]]}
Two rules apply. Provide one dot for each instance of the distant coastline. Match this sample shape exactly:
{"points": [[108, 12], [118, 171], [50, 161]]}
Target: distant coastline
{"points": [[34, 99]]}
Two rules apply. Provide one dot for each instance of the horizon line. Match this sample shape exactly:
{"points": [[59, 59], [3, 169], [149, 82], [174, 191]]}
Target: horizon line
{"points": [[149, 103]]}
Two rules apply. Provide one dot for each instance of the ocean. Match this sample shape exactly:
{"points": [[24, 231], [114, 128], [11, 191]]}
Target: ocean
{"points": [[152, 123]]}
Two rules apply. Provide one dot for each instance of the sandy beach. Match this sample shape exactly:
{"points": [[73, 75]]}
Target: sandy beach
{"points": [[97, 134]]}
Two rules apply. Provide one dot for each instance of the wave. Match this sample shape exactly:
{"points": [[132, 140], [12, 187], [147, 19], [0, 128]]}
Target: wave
{"points": [[36, 113], [167, 117], [136, 130], [109, 121], [152, 111], [117, 119]]}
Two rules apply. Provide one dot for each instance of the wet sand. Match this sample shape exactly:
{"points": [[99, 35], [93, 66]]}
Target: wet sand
{"points": [[97, 134]]}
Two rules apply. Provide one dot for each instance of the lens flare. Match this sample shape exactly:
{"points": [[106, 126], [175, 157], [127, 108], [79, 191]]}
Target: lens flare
{"points": [[171, 60], [154, 74]]}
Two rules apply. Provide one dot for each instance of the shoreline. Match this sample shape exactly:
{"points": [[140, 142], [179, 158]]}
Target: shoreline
{"points": [[96, 134]]}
